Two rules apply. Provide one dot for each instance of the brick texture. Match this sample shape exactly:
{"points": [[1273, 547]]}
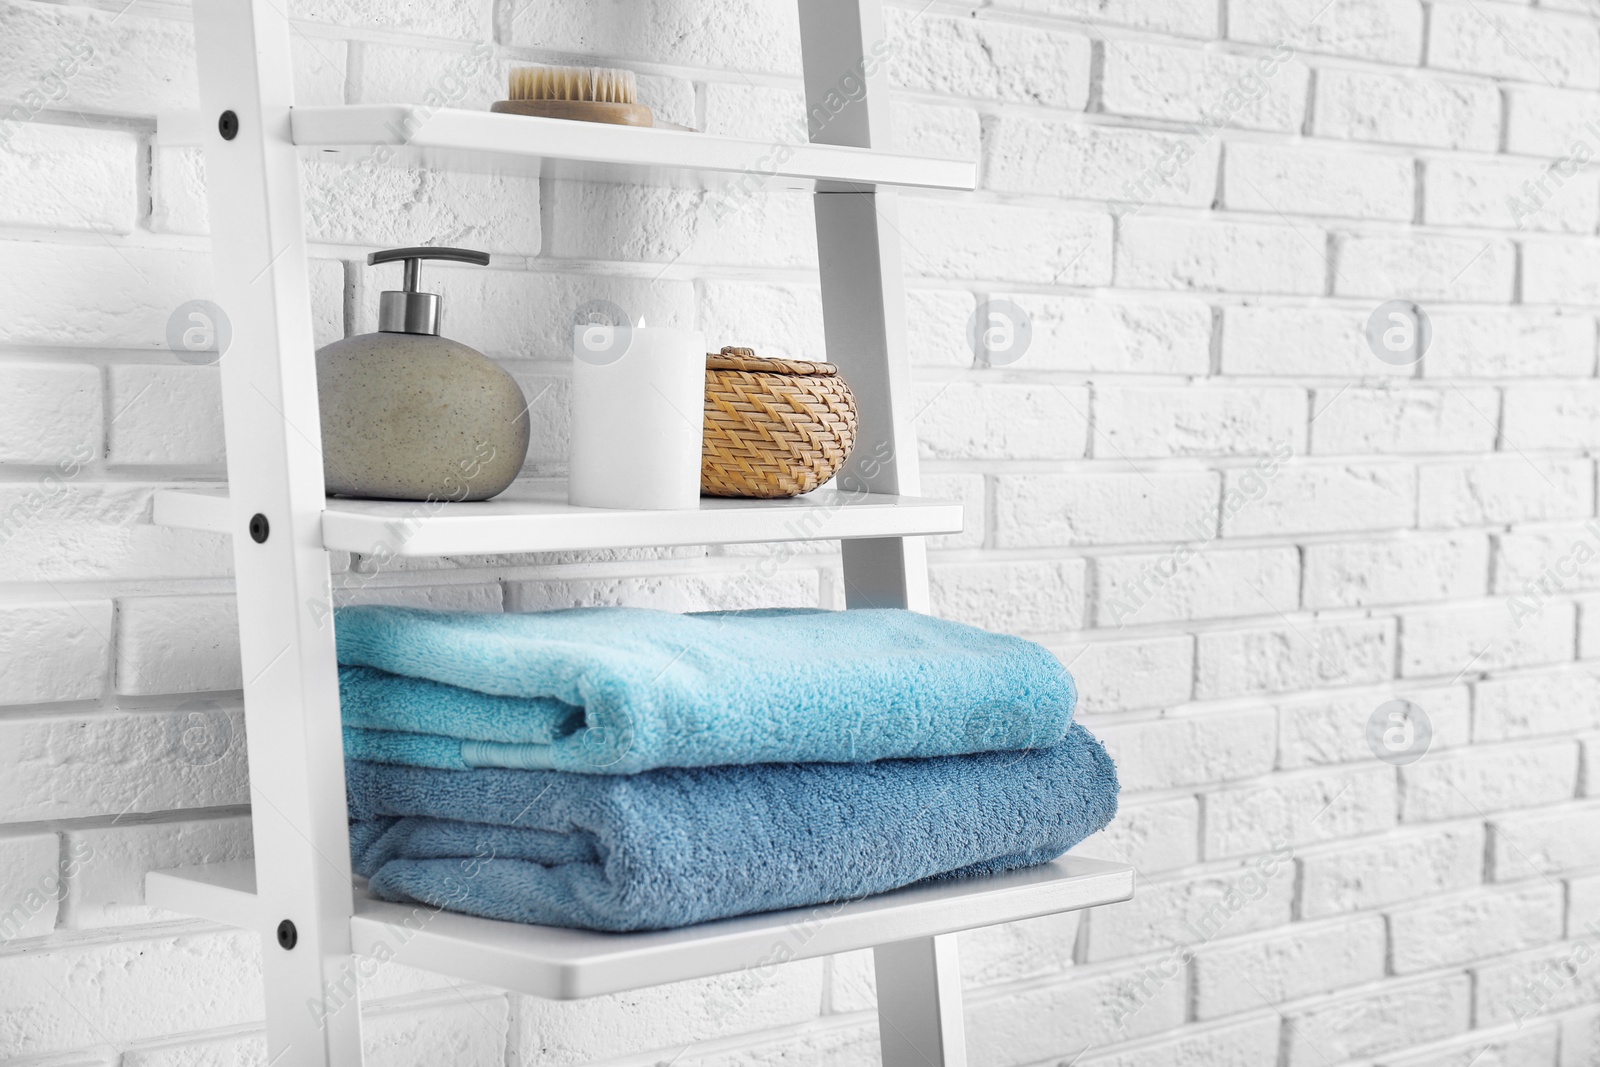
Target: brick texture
{"points": [[1242, 525]]}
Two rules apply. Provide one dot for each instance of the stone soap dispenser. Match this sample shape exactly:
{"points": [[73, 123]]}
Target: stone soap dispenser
{"points": [[410, 415]]}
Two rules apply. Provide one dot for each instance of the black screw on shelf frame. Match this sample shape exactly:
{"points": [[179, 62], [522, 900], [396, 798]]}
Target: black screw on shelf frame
{"points": [[228, 125], [259, 528], [288, 936]]}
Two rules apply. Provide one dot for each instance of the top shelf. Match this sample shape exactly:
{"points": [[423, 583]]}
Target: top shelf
{"points": [[457, 139]]}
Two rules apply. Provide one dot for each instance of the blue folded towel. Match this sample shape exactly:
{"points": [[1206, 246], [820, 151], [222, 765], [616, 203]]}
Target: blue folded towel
{"points": [[674, 847], [621, 690]]}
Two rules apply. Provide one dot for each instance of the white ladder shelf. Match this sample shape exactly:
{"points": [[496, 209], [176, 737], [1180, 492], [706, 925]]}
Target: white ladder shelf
{"points": [[283, 527]]}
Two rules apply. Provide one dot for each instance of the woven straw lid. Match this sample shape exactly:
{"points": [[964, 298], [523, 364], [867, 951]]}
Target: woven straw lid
{"points": [[731, 358]]}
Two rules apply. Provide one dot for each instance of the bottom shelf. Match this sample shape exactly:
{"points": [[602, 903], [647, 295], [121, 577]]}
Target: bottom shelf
{"points": [[563, 964]]}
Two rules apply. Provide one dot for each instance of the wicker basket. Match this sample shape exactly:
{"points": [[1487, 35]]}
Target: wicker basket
{"points": [[774, 427]]}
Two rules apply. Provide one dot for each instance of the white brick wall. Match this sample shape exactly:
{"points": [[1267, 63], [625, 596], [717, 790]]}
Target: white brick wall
{"points": [[1361, 185], [1199, 204], [1400, 107], [1519, 45], [1287, 964]]}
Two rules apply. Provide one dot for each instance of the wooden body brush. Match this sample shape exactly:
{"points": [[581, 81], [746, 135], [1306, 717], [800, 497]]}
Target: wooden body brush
{"points": [[588, 94]]}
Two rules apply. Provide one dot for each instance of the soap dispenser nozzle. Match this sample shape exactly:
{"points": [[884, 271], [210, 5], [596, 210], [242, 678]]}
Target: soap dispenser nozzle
{"points": [[407, 310]]}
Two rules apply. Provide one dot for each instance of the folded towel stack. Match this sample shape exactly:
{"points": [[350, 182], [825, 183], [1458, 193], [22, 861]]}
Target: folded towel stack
{"points": [[625, 769]]}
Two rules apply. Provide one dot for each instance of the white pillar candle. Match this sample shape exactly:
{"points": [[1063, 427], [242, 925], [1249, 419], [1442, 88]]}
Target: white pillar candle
{"points": [[638, 419]]}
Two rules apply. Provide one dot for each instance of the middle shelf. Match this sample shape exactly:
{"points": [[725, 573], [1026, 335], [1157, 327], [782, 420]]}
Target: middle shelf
{"points": [[535, 517]]}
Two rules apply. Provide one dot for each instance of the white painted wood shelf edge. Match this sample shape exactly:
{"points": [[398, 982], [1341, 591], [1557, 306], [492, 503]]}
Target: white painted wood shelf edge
{"points": [[535, 517], [564, 964], [456, 138]]}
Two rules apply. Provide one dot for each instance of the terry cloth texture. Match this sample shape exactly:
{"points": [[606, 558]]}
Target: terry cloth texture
{"points": [[673, 847], [622, 690]]}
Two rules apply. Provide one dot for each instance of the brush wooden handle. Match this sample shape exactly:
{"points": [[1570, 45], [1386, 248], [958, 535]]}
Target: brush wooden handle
{"points": [[581, 110]]}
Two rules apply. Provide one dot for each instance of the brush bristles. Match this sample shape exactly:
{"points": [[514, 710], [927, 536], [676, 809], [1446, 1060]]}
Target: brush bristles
{"points": [[574, 83]]}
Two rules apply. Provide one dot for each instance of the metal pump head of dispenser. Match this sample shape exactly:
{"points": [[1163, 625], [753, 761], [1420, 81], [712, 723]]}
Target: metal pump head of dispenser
{"points": [[407, 310]]}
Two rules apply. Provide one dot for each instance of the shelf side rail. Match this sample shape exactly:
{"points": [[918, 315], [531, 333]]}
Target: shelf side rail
{"points": [[272, 427], [846, 56]]}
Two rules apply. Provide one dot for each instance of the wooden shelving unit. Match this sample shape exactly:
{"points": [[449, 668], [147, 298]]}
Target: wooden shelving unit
{"points": [[302, 868]]}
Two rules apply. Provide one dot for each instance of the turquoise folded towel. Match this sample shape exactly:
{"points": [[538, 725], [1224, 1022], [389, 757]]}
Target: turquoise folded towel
{"points": [[622, 690], [675, 846]]}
